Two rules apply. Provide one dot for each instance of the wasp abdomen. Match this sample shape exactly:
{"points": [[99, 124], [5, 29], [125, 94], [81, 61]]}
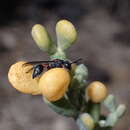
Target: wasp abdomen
{"points": [[38, 69]]}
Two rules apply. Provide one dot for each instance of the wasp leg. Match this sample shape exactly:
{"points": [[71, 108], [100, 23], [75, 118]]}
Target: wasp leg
{"points": [[29, 70], [25, 64]]}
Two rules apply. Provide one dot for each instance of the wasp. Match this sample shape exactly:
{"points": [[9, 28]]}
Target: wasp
{"points": [[40, 66]]}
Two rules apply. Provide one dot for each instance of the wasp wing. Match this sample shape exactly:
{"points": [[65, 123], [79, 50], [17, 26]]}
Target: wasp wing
{"points": [[36, 62], [77, 61]]}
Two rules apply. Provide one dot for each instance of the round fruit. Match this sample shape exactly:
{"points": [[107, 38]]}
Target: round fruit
{"points": [[96, 91], [54, 83], [21, 80]]}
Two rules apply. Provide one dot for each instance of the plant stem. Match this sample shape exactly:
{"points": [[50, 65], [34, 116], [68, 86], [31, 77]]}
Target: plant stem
{"points": [[95, 111]]}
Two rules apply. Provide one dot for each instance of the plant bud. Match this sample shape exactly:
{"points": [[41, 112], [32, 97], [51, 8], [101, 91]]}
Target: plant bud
{"points": [[42, 38], [66, 34], [96, 91], [87, 121], [23, 81], [121, 109], [54, 83]]}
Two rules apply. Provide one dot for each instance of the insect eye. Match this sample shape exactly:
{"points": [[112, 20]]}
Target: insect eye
{"points": [[67, 65]]}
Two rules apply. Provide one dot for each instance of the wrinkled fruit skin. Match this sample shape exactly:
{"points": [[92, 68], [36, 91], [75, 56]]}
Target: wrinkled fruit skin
{"points": [[23, 81], [96, 91], [54, 83]]}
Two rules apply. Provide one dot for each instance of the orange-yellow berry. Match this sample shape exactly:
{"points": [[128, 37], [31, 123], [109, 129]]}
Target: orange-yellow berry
{"points": [[96, 91], [54, 83], [23, 81]]}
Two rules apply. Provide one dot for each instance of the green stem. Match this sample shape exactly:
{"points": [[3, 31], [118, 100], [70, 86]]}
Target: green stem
{"points": [[95, 111], [59, 55]]}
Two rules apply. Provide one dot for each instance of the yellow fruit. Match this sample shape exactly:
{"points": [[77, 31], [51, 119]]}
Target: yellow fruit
{"points": [[54, 83], [23, 81], [96, 91]]}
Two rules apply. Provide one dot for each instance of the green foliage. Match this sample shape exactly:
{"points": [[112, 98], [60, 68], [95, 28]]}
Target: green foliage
{"points": [[63, 107]]}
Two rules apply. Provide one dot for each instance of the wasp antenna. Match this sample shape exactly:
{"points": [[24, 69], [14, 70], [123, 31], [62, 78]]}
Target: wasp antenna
{"points": [[76, 61]]}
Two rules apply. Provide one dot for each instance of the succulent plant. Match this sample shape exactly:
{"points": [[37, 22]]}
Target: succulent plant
{"points": [[66, 91]]}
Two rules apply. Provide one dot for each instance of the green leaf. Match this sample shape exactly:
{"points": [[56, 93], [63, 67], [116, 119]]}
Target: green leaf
{"points": [[63, 107], [81, 74], [110, 103]]}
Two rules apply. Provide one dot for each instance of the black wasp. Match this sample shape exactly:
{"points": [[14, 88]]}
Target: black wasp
{"points": [[40, 66]]}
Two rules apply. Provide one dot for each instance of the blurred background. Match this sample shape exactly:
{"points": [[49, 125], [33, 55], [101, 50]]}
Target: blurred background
{"points": [[103, 42]]}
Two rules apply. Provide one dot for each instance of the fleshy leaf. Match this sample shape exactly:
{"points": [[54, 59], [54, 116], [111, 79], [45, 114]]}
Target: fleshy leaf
{"points": [[62, 107]]}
